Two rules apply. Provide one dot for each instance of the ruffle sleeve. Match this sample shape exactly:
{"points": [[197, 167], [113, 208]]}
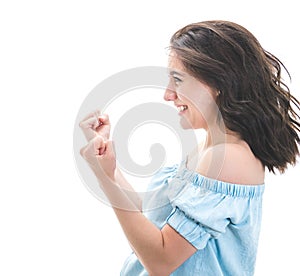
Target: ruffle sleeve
{"points": [[203, 207]]}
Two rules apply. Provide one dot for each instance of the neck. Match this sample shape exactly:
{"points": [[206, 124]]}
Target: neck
{"points": [[216, 136]]}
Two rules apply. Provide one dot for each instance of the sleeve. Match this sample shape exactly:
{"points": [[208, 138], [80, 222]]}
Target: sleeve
{"points": [[199, 214]]}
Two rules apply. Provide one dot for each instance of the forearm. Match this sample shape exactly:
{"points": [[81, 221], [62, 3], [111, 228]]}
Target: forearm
{"points": [[128, 190], [145, 238]]}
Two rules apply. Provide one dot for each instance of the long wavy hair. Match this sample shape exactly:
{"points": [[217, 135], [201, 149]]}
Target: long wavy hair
{"points": [[253, 100]]}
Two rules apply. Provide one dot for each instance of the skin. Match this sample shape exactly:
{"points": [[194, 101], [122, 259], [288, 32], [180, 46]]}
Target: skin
{"points": [[222, 156]]}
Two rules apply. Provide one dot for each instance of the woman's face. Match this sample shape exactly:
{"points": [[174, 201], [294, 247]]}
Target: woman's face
{"points": [[194, 100]]}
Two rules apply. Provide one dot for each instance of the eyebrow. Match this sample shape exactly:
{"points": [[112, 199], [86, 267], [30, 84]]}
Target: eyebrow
{"points": [[173, 72]]}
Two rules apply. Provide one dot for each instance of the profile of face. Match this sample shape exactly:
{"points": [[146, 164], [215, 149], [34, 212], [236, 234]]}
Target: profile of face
{"points": [[194, 99]]}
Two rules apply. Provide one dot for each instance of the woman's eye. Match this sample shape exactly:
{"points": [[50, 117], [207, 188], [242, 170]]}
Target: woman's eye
{"points": [[177, 80]]}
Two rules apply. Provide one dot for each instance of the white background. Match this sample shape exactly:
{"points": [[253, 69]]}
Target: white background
{"points": [[52, 54]]}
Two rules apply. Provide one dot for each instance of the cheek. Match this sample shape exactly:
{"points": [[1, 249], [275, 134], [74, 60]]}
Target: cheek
{"points": [[193, 93], [199, 102], [204, 112], [199, 98], [199, 113]]}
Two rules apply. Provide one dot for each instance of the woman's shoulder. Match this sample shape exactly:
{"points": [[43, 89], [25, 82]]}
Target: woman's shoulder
{"points": [[232, 163]]}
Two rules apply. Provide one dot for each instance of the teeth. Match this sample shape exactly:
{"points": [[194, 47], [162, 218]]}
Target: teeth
{"points": [[182, 108]]}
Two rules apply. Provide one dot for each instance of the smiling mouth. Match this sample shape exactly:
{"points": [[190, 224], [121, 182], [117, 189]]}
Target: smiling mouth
{"points": [[182, 108]]}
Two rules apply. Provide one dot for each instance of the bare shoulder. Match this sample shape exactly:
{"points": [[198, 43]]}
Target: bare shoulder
{"points": [[233, 163]]}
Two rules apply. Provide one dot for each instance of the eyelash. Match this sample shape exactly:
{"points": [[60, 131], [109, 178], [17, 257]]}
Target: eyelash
{"points": [[176, 79]]}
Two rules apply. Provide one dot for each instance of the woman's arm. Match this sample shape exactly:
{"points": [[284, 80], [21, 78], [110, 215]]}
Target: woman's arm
{"points": [[160, 251], [128, 190]]}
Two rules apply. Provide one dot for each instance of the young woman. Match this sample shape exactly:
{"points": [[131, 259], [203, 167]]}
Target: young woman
{"points": [[223, 81]]}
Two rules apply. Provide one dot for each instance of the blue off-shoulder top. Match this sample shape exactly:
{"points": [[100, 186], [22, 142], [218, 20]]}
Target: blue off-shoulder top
{"points": [[221, 220]]}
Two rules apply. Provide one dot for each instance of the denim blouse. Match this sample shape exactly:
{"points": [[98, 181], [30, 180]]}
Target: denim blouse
{"points": [[221, 220]]}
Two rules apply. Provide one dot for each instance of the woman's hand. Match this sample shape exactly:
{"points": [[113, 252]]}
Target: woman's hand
{"points": [[99, 152], [100, 156], [95, 124]]}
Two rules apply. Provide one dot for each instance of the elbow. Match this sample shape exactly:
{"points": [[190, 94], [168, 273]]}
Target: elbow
{"points": [[159, 270], [158, 273]]}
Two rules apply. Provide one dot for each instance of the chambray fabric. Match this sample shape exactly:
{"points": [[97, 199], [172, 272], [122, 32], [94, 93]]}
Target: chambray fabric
{"points": [[222, 220]]}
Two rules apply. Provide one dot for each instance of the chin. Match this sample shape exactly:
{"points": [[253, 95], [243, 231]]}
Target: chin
{"points": [[185, 124]]}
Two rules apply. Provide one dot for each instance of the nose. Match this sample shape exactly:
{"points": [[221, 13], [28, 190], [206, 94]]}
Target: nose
{"points": [[170, 95]]}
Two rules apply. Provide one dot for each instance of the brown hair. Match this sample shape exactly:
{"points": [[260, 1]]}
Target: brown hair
{"points": [[253, 99]]}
